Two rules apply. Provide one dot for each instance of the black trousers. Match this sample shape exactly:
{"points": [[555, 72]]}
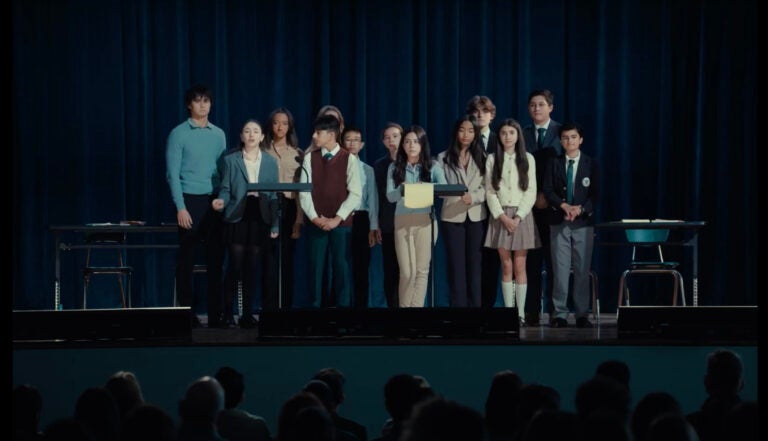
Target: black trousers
{"points": [[391, 269], [206, 232], [361, 259]]}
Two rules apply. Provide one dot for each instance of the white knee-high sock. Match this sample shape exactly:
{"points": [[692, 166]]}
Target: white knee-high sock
{"points": [[520, 290], [508, 291]]}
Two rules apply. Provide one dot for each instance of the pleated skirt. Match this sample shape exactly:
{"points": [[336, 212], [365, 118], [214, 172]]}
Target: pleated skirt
{"points": [[525, 237]]}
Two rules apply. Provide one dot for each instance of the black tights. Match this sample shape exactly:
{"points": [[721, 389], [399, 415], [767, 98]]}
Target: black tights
{"points": [[241, 257]]}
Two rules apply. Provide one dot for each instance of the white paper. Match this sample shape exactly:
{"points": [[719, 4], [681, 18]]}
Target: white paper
{"points": [[419, 195]]}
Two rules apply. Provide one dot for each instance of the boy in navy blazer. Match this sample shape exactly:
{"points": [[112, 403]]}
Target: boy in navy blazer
{"points": [[571, 188]]}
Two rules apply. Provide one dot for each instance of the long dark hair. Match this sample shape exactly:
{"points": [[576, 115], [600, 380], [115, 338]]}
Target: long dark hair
{"points": [[425, 160], [290, 137], [521, 157], [475, 151]]}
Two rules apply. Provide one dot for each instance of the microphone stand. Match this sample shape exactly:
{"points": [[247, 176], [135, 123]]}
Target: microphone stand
{"points": [[280, 188]]}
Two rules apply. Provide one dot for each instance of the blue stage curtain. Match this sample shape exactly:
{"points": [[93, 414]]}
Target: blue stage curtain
{"points": [[666, 92]]}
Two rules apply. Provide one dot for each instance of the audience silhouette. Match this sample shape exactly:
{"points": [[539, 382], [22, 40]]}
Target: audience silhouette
{"points": [[439, 419], [723, 382], [233, 423], [335, 379], [202, 402], [501, 406], [26, 408], [514, 411], [148, 422]]}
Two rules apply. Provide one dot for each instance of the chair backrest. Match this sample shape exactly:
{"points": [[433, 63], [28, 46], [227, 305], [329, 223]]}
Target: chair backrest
{"points": [[640, 236]]}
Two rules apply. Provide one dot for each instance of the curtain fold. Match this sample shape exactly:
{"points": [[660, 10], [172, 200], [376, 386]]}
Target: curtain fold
{"points": [[666, 92]]}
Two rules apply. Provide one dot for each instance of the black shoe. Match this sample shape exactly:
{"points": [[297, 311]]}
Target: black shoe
{"points": [[583, 322], [558, 323], [248, 322], [523, 323], [196, 321], [227, 321], [532, 319]]}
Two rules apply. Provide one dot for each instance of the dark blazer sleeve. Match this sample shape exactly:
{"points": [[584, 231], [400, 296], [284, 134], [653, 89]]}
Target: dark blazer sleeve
{"points": [[552, 189], [587, 188]]}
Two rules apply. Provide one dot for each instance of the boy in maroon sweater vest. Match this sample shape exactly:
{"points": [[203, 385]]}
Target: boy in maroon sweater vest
{"points": [[336, 193]]}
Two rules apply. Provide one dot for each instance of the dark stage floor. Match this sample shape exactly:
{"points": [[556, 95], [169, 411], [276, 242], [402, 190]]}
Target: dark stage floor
{"points": [[152, 327]]}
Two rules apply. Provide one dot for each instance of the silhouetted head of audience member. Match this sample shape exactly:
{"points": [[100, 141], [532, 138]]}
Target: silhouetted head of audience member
{"points": [[26, 407], [402, 392], [616, 369], [66, 429], [671, 427], [549, 425], [97, 411], [322, 391], [233, 384], [602, 393], [202, 401], [501, 404], [125, 388], [648, 409], [603, 425], [148, 422], [286, 420], [335, 379], [743, 421], [724, 377], [314, 424], [439, 419], [532, 399]]}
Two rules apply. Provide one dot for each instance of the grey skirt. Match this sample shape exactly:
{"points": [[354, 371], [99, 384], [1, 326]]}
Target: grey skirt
{"points": [[525, 237]]}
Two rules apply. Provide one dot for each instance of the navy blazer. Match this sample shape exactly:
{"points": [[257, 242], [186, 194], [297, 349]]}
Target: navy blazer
{"points": [[550, 150], [234, 187], [585, 189]]}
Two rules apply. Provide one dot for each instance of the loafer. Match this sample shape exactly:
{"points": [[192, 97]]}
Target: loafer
{"points": [[248, 322], [583, 322], [226, 321], [558, 322]]}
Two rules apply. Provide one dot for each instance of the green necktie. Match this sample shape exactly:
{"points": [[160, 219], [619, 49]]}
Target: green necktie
{"points": [[327, 156], [540, 141], [569, 182]]}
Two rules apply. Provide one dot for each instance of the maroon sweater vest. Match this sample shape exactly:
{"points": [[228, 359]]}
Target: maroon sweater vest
{"points": [[329, 184]]}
